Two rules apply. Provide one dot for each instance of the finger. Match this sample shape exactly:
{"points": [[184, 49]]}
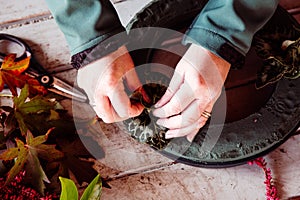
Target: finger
{"points": [[106, 112], [190, 137], [121, 103], [184, 131], [134, 84], [104, 109], [207, 111], [178, 103], [188, 117], [137, 109], [174, 85]]}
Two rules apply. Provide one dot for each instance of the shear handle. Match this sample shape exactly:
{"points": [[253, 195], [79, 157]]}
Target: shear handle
{"points": [[34, 65]]}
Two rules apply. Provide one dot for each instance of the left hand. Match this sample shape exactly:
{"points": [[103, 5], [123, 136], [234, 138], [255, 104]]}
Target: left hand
{"points": [[194, 88]]}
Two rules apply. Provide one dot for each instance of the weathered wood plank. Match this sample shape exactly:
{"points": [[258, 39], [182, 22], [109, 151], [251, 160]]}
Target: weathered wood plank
{"points": [[14, 10], [48, 44], [184, 182], [124, 156], [46, 41], [242, 182], [50, 49]]}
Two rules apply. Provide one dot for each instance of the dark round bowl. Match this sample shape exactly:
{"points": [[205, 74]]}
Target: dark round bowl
{"points": [[257, 121]]}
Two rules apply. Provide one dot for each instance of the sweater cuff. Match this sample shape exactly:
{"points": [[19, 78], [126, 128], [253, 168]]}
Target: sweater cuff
{"points": [[109, 44], [216, 44]]}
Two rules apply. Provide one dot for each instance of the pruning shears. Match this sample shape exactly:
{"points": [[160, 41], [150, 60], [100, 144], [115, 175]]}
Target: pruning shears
{"points": [[37, 71]]}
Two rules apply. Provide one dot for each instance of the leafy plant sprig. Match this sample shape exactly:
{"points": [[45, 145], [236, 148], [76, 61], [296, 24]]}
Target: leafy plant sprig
{"points": [[69, 189], [28, 153], [29, 142]]}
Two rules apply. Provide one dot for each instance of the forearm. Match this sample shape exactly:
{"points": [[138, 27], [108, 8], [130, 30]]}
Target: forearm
{"points": [[85, 23], [226, 28]]}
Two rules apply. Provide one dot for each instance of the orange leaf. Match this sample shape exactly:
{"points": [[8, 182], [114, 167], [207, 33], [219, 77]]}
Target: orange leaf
{"points": [[15, 67], [8, 61], [35, 87], [11, 74]]}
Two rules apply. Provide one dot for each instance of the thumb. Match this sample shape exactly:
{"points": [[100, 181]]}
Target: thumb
{"points": [[134, 84]]}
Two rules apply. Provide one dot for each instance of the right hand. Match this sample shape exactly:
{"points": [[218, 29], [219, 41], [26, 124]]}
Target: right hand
{"points": [[193, 90], [102, 80]]}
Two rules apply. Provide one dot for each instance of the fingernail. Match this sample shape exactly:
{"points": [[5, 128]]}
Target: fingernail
{"points": [[167, 136], [159, 122], [190, 138]]}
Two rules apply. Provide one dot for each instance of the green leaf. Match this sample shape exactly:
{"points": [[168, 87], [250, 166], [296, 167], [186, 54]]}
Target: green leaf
{"points": [[9, 154], [45, 151], [53, 116], [30, 140], [37, 104], [23, 110], [94, 190], [28, 153], [68, 189], [21, 122], [34, 171], [48, 152], [22, 97], [19, 164]]}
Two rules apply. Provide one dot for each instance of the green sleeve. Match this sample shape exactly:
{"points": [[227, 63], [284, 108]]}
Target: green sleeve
{"points": [[228, 26], [85, 23]]}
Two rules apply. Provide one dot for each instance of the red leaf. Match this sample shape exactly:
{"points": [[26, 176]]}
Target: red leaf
{"points": [[11, 74], [16, 68]]}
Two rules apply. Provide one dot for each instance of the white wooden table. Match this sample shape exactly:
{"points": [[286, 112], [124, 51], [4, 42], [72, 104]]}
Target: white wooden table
{"points": [[134, 170]]}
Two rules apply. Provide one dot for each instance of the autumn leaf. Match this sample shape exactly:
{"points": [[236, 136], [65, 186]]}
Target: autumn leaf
{"points": [[11, 71], [27, 157], [35, 105], [20, 153], [12, 74]]}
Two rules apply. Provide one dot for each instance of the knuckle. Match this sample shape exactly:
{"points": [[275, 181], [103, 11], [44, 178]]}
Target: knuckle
{"points": [[123, 114], [200, 81], [189, 121], [174, 108]]}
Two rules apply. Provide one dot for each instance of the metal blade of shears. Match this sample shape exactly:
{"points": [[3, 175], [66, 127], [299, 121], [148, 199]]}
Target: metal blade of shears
{"points": [[37, 71], [62, 88]]}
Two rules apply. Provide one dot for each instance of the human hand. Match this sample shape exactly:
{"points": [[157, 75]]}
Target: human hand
{"points": [[194, 88], [103, 79]]}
